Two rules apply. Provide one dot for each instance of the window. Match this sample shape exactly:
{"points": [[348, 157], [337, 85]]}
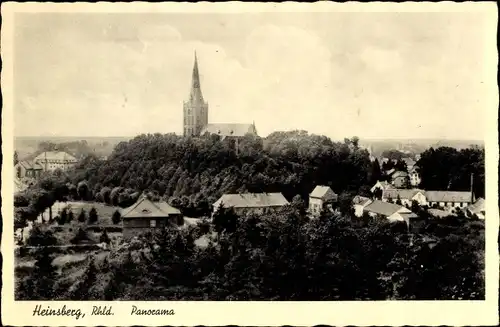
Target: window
{"points": [[152, 223]]}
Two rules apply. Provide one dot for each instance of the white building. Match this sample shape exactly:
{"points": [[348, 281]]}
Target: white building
{"points": [[391, 211], [52, 160], [359, 203], [257, 203], [321, 197]]}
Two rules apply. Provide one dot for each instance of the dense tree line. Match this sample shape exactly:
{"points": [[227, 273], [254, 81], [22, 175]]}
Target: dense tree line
{"points": [[286, 256], [447, 168], [192, 173]]}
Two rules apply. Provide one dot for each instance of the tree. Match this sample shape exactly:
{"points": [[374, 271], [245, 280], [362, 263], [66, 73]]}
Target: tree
{"points": [[116, 218], [83, 190], [71, 216], [16, 158], [104, 238], [93, 217], [63, 218], [81, 216], [84, 290], [224, 219], [81, 236], [376, 172], [41, 237], [398, 200], [39, 285]]}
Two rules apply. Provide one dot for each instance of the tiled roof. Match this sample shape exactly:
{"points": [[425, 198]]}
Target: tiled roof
{"points": [[399, 174], [252, 200], [439, 213], [383, 208], [230, 129], [408, 215], [360, 200], [322, 191], [403, 193], [30, 165], [145, 208], [448, 196], [477, 207], [55, 156]]}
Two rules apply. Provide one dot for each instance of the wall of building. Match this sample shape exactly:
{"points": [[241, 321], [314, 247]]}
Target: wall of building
{"points": [[315, 206]]}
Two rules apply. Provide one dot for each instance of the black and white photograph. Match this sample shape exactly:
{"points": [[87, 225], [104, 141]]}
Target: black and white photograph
{"points": [[250, 156]]}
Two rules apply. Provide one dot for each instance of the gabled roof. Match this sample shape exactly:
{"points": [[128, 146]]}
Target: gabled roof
{"points": [[448, 196], [383, 208], [403, 193], [55, 156], [390, 171], [477, 207], [439, 213], [30, 165], [384, 184], [323, 192], [361, 200], [145, 208], [236, 130], [399, 174], [408, 215], [409, 162], [251, 200]]}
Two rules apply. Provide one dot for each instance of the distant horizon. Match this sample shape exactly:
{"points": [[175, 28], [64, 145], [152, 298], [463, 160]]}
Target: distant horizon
{"points": [[180, 134]]}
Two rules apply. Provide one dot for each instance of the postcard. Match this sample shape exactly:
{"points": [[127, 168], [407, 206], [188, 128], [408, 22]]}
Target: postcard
{"points": [[254, 164]]}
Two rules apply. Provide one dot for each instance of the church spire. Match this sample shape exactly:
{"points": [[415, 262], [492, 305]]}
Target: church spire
{"points": [[196, 94]]}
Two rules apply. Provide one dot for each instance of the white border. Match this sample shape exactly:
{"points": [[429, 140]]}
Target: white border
{"points": [[360, 313]]}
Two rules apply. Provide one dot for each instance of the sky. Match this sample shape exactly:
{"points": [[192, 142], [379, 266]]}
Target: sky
{"points": [[340, 74]]}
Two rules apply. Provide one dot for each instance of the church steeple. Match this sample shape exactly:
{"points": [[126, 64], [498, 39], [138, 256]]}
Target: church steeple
{"points": [[195, 82], [195, 109]]}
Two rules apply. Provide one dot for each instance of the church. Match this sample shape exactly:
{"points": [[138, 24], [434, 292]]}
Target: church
{"points": [[196, 115]]}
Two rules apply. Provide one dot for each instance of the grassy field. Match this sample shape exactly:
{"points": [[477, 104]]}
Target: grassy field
{"points": [[104, 212]]}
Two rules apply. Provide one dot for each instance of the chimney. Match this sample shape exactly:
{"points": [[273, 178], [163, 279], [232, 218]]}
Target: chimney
{"points": [[472, 187]]}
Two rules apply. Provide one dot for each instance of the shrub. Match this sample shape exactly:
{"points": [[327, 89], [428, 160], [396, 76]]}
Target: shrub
{"points": [[81, 216], [116, 218], [93, 217]]}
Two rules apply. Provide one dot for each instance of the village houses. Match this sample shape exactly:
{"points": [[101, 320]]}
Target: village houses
{"points": [[148, 216], [322, 197], [245, 203]]}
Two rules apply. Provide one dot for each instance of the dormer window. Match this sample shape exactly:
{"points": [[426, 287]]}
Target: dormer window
{"points": [[145, 211]]}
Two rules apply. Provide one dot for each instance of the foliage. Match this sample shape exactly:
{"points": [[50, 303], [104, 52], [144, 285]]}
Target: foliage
{"points": [[93, 216], [81, 237], [192, 173], [40, 284], [447, 168], [81, 216], [116, 218], [104, 238], [41, 236]]}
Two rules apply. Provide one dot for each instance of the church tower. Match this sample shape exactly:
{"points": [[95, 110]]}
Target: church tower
{"points": [[195, 109]]}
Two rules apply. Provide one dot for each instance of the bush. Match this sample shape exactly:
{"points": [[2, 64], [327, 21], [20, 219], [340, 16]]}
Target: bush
{"points": [[93, 217], [104, 238], [81, 237], [41, 237], [116, 218], [81, 216]]}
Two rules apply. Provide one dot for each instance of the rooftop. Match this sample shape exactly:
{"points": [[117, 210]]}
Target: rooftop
{"points": [[251, 200], [145, 208], [383, 208], [231, 129]]}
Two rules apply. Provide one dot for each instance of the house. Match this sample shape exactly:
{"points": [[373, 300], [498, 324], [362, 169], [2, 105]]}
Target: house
{"points": [[245, 203], [449, 199], [391, 211], [381, 185], [146, 216], [320, 198], [476, 209], [410, 163], [52, 160], [359, 203], [414, 176], [406, 196], [399, 179], [439, 213], [28, 170]]}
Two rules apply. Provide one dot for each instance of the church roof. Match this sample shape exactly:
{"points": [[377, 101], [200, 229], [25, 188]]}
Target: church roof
{"points": [[196, 95], [230, 129]]}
